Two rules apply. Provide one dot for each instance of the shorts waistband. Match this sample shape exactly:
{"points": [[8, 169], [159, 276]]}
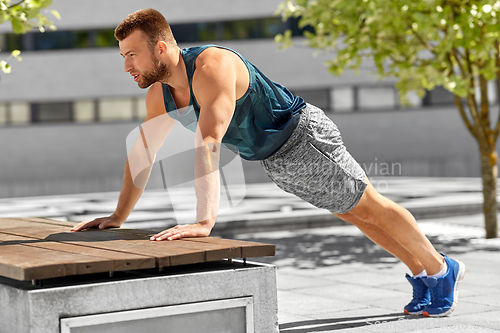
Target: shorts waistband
{"points": [[297, 132]]}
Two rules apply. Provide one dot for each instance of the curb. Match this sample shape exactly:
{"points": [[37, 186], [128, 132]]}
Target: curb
{"points": [[231, 228]]}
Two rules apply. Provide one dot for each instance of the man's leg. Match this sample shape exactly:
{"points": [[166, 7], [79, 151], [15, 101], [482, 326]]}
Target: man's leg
{"points": [[399, 224], [421, 296], [381, 238]]}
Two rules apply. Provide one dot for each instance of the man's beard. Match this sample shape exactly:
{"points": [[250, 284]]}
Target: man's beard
{"points": [[159, 72]]}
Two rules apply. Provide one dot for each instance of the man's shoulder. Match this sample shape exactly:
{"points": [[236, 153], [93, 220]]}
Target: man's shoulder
{"points": [[155, 92], [154, 99], [216, 55]]}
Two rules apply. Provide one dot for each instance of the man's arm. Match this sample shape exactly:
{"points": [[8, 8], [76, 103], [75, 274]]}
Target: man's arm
{"points": [[139, 163], [214, 85]]}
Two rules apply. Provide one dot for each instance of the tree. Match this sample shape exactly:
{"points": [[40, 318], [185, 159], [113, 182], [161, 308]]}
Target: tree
{"points": [[423, 43], [24, 16]]}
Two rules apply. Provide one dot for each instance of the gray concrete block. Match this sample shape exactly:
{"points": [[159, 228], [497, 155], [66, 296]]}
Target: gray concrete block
{"points": [[24, 308]]}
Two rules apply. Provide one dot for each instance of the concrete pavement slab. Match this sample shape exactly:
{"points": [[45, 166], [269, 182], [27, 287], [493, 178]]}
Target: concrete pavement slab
{"points": [[325, 271], [307, 305], [373, 278], [264, 206], [348, 320], [286, 318], [366, 315], [453, 329], [362, 272], [333, 279], [427, 325], [486, 319], [490, 299], [470, 290], [288, 281], [351, 292], [459, 321], [395, 304]]}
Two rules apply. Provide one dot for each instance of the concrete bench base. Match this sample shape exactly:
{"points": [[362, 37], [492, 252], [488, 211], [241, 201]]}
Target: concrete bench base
{"points": [[210, 297]]}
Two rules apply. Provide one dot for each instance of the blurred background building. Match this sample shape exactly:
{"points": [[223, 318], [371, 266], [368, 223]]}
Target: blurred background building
{"points": [[67, 108]]}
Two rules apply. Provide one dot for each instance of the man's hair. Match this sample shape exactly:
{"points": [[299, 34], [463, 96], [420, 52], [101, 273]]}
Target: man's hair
{"points": [[149, 21]]}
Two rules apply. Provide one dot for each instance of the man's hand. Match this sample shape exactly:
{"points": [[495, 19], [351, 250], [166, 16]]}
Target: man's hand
{"points": [[102, 222], [200, 229]]}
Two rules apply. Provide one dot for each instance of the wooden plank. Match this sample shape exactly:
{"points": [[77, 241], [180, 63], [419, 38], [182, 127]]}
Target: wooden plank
{"points": [[183, 252], [118, 261], [248, 249], [38, 263], [34, 248], [221, 248], [108, 240], [16, 263], [213, 251], [43, 220]]}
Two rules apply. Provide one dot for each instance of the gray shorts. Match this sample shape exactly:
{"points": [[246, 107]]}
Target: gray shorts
{"points": [[314, 165]]}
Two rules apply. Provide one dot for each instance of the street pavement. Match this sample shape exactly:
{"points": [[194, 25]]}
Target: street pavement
{"points": [[330, 277], [336, 280]]}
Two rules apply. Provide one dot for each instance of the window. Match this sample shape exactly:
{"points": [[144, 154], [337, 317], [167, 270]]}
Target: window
{"points": [[342, 99], [115, 109], [376, 98], [184, 33], [51, 112], [438, 96], [317, 97]]}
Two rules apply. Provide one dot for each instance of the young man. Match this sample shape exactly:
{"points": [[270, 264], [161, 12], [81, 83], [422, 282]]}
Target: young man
{"points": [[230, 102]]}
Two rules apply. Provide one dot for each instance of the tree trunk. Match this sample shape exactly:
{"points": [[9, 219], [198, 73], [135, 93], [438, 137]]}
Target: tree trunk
{"points": [[489, 176]]}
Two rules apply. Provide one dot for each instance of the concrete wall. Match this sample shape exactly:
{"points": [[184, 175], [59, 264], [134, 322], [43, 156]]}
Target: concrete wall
{"points": [[73, 158], [62, 158], [86, 157], [428, 142], [28, 309], [108, 14], [92, 73]]}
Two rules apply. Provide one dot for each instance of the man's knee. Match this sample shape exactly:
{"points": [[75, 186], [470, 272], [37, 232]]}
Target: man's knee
{"points": [[365, 214], [370, 208], [344, 217]]}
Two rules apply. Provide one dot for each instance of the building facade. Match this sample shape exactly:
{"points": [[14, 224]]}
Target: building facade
{"points": [[66, 109]]}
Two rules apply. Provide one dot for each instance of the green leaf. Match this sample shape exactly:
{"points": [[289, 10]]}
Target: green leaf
{"points": [[56, 14], [45, 3], [284, 40], [3, 17], [34, 3], [16, 54], [382, 30], [5, 67], [32, 13], [20, 27]]}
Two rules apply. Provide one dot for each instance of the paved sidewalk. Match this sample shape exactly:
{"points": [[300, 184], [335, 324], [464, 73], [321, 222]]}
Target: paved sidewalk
{"points": [[335, 279], [255, 207], [330, 276]]}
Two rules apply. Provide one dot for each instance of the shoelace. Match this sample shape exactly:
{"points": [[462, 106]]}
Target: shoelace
{"points": [[436, 293], [419, 292]]}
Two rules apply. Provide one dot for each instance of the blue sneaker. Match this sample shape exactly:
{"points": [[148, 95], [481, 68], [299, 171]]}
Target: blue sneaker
{"points": [[421, 296], [444, 292]]}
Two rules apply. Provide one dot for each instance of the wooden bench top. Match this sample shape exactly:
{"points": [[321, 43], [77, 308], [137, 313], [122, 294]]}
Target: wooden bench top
{"points": [[37, 249]]}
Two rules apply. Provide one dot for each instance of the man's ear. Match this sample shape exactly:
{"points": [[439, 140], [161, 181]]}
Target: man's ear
{"points": [[162, 48]]}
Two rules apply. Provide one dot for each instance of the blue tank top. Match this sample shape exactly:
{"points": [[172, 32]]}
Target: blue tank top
{"points": [[264, 117]]}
